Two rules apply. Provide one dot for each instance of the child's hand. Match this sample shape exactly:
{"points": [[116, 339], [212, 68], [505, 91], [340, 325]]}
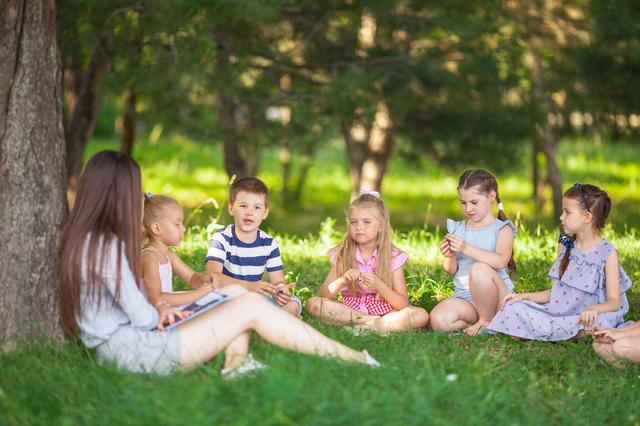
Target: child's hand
{"points": [[352, 275], [456, 243], [283, 293], [445, 248], [211, 281], [372, 281], [513, 298], [261, 287], [588, 317], [168, 315]]}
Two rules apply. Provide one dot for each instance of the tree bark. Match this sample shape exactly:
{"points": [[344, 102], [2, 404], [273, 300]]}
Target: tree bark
{"points": [[128, 136], [84, 111], [32, 170], [356, 137], [380, 145], [234, 164], [546, 132]]}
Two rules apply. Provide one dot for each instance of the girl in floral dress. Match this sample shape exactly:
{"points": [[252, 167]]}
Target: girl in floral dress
{"points": [[588, 283]]}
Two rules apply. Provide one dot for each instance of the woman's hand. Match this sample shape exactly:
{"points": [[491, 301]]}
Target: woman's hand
{"points": [[606, 335], [513, 298], [588, 317], [168, 315], [445, 248], [456, 243]]}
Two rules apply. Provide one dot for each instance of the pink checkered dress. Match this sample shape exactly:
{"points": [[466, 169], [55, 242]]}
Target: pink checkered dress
{"points": [[366, 301]]}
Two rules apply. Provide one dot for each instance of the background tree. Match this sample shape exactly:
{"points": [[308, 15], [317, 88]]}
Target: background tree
{"points": [[32, 169]]}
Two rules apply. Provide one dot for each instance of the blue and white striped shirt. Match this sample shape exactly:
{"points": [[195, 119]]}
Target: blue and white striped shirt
{"points": [[244, 261]]}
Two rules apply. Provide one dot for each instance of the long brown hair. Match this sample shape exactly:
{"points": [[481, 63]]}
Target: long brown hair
{"points": [[346, 251], [486, 182], [591, 199], [108, 205]]}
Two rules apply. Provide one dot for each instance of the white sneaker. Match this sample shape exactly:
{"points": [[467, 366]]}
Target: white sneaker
{"points": [[246, 368], [369, 360]]}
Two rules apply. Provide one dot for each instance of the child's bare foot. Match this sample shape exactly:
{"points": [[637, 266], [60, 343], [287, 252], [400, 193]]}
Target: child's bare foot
{"points": [[476, 328]]}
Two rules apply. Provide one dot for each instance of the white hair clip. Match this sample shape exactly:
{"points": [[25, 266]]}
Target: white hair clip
{"points": [[500, 206], [370, 192]]}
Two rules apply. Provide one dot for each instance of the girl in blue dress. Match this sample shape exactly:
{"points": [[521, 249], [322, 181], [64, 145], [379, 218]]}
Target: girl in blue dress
{"points": [[477, 251]]}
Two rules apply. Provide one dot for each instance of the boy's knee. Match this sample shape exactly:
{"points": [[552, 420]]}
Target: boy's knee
{"points": [[314, 306]]}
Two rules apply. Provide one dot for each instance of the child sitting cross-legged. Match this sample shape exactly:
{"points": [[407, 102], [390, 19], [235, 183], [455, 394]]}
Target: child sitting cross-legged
{"points": [[242, 252], [367, 270]]}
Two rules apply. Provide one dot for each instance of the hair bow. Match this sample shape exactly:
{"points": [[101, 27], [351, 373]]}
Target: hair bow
{"points": [[370, 192], [566, 241], [148, 196]]}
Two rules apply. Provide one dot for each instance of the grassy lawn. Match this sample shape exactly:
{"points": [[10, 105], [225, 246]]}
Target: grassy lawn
{"points": [[426, 378]]}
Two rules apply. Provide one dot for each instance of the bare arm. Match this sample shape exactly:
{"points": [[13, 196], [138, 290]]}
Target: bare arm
{"points": [[396, 295], [215, 268], [332, 284], [449, 261], [612, 273], [153, 286]]}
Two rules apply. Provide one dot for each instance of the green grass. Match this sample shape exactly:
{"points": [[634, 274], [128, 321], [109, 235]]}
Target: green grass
{"points": [[499, 381]]}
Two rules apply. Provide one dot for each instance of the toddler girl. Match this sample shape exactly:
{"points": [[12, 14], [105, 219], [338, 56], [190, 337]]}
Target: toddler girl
{"points": [[477, 251], [588, 283], [367, 271]]}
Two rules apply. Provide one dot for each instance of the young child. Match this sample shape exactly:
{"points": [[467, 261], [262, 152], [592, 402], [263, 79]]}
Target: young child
{"points": [[242, 252], [617, 345], [367, 270], [162, 224], [588, 283], [478, 252], [163, 228], [100, 298]]}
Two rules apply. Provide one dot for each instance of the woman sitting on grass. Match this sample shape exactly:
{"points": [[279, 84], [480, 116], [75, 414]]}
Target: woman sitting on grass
{"points": [[100, 288]]}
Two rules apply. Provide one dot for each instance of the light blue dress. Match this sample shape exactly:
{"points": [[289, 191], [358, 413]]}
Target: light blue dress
{"points": [[483, 238]]}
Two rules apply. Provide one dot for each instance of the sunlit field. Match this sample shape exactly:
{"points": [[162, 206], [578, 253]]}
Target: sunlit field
{"points": [[425, 378]]}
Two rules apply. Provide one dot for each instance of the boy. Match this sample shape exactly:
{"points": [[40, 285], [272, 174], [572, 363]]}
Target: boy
{"points": [[242, 252]]}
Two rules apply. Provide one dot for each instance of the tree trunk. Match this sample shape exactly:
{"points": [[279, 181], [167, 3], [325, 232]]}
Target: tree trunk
{"points": [[547, 134], [84, 112], [128, 136], [32, 170], [538, 183], [356, 138], [234, 164], [380, 144], [368, 149]]}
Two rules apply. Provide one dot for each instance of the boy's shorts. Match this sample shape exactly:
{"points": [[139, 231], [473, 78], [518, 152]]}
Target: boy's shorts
{"points": [[293, 299]]}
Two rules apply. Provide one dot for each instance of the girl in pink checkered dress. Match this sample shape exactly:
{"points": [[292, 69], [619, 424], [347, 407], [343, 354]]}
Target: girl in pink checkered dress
{"points": [[367, 271]]}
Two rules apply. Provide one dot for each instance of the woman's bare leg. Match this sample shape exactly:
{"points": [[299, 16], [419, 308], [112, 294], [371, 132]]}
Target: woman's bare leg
{"points": [[487, 290], [208, 334], [627, 348], [452, 314], [334, 312], [405, 319]]}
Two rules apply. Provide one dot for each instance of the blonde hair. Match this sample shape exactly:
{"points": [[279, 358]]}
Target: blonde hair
{"points": [[154, 210], [346, 250]]}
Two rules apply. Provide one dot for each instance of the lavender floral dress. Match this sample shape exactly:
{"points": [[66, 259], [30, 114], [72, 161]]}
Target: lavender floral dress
{"points": [[583, 284]]}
